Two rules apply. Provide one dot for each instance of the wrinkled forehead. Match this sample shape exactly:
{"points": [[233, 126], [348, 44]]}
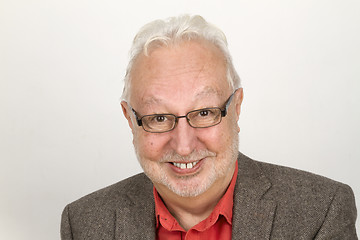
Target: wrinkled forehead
{"points": [[191, 67], [196, 95]]}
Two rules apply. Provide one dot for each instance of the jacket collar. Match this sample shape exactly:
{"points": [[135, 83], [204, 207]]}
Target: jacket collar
{"points": [[253, 215], [135, 219]]}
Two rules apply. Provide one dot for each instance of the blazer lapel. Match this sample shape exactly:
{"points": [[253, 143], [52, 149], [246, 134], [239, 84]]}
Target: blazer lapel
{"points": [[252, 215], [136, 218]]}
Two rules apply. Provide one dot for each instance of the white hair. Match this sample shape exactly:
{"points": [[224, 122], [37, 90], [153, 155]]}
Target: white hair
{"points": [[174, 30]]}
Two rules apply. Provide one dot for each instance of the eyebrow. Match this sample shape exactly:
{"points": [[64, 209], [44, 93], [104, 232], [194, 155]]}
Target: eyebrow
{"points": [[151, 100], [206, 92]]}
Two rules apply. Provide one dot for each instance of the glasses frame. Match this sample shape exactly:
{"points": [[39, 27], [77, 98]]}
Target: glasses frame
{"points": [[223, 111]]}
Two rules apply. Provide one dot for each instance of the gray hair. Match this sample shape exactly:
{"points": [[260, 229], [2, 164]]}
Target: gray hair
{"points": [[174, 30]]}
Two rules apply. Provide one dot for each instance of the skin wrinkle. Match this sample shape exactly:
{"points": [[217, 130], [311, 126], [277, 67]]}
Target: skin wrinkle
{"points": [[184, 191], [194, 156]]}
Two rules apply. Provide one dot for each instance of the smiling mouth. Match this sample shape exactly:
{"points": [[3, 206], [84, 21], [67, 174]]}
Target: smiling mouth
{"points": [[185, 165]]}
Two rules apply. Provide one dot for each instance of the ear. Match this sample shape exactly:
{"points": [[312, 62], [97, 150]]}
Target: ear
{"points": [[239, 95], [127, 113]]}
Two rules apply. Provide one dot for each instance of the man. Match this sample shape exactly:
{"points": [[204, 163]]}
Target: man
{"points": [[182, 99]]}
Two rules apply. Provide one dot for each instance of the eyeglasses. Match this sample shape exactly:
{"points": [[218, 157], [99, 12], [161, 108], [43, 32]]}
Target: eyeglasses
{"points": [[200, 118]]}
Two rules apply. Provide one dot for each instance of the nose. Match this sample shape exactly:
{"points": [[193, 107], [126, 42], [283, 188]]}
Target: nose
{"points": [[183, 139]]}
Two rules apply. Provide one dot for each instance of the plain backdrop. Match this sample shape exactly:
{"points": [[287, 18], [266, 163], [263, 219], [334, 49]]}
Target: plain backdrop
{"points": [[62, 133]]}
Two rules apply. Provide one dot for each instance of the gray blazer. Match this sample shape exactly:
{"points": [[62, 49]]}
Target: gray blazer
{"points": [[270, 202]]}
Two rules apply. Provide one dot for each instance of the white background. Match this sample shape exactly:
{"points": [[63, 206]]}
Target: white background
{"points": [[62, 133]]}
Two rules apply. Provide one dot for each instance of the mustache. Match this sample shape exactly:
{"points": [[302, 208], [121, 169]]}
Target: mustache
{"points": [[195, 155]]}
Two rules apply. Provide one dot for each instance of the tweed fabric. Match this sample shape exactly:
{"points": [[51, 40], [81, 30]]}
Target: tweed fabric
{"points": [[270, 202]]}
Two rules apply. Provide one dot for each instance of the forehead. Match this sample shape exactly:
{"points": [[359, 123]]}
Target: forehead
{"points": [[191, 69]]}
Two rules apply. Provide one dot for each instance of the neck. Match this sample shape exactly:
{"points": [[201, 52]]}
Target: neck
{"points": [[189, 211]]}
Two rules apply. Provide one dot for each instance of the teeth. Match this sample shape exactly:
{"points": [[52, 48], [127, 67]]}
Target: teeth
{"points": [[185, 165]]}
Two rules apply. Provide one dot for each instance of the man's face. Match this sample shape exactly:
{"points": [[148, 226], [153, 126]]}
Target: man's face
{"points": [[178, 79]]}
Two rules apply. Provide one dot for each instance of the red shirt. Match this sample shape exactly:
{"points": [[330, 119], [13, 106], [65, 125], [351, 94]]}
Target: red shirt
{"points": [[216, 226]]}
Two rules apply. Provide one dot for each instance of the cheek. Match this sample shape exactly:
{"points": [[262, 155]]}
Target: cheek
{"points": [[219, 137], [213, 138], [151, 146]]}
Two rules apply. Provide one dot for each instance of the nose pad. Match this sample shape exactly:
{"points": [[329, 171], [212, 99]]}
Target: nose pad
{"points": [[183, 137]]}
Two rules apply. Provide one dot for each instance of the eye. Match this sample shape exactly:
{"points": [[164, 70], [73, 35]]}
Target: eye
{"points": [[160, 118], [156, 119], [204, 113]]}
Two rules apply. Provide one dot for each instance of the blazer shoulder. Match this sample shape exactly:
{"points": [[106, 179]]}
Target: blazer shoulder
{"points": [[289, 182], [95, 215], [120, 193], [307, 204], [287, 176]]}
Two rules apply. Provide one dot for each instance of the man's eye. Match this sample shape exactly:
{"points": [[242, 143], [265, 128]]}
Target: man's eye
{"points": [[159, 118], [204, 113]]}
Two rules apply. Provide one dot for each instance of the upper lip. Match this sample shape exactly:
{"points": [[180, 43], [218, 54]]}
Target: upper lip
{"points": [[191, 161]]}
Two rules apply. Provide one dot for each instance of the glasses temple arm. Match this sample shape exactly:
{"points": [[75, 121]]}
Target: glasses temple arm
{"points": [[138, 120], [227, 104]]}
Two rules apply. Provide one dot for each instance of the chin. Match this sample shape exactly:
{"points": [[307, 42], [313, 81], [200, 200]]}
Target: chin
{"points": [[191, 186]]}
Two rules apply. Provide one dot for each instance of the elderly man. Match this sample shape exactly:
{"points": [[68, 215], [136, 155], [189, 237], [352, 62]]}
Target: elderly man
{"points": [[182, 99]]}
